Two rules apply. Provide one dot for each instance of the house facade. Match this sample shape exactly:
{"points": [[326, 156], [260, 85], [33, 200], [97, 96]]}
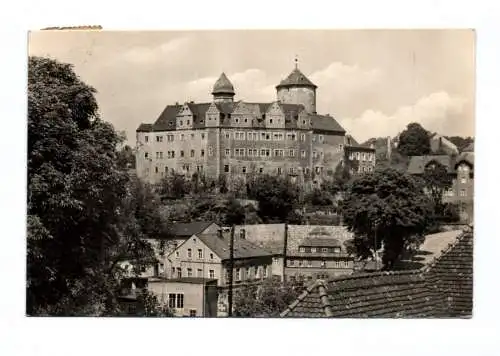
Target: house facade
{"points": [[231, 138]]}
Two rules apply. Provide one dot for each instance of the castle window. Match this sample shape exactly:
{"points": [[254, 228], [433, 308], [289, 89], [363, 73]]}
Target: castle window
{"points": [[192, 153], [228, 135], [243, 169], [166, 169], [202, 136], [463, 180], [270, 121], [291, 153], [192, 136], [321, 138], [182, 137], [280, 170], [182, 153], [228, 152], [202, 153], [146, 138], [268, 137], [156, 169], [146, 154], [314, 138], [250, 152], [302, 137], [303, 122], [237, 120], [170, 138], [180, 123], [246, 120], [303, 153], [315, 154], [159, 138], [210, 151], [341, 146], [226, 168], [187, 122], [261, 170], [463, 193]]}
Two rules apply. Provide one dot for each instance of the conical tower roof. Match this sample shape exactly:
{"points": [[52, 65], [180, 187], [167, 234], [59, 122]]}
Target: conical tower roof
{"points": [[296, 78], [223, 86]]}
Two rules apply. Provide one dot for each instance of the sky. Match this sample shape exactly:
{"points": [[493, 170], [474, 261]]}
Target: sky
{"points": [[374, 82]]}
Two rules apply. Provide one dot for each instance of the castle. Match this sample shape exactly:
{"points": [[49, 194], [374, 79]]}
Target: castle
{"points": [[228, 138]]}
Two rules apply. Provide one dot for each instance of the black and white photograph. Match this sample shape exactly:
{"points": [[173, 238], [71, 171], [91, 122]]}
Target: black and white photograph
{"points": [[250, 173]]}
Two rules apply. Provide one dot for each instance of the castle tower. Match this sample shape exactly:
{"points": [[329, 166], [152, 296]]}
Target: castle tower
{"points": [[297, 89], [223, 90]]}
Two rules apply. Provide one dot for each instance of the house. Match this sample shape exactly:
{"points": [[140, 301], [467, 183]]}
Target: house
{"points": [[441, 145], [302, 252], [188, 296], [442, 288], [179, 233], [193, 297], [207, 256], [363, 156], [461, 168]]}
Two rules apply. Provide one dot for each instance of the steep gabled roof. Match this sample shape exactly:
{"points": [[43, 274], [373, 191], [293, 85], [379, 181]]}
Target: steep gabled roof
{"points": [[242, 248], [469, 148], [145, 128], [166, 121], [189, 229], [442, 288], [326, 123], [296, 78], [418, 163]]}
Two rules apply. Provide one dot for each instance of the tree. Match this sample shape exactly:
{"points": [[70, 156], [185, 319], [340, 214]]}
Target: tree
{"points": [[414, 141], [277, 198], [78, 222], [267, 299], [388, 207], [437, 181], [126, 158], [174, 186]]}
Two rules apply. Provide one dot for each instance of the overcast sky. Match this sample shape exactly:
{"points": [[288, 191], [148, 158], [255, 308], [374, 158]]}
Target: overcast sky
{"points": [[373, 82]]}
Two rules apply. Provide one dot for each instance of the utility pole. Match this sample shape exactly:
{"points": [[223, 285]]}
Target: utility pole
{"points": [[231, 266]]}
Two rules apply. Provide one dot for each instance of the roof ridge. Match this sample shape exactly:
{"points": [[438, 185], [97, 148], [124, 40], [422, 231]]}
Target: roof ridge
{"points": [[463, 235], [301, 297]]}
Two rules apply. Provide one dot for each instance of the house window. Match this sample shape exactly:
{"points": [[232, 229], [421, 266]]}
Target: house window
{"points": [[264, 272], [238, 274], [202, 136], [321, 138], [261, 170], [189, 253], [146, 155], [211, 274], [179, 272], [180, 301], [313, 249], [237, 120], [176, 253], [192, 153], [275, 260], [190, 272], [210, 151], [228, 136], [173, 272], [292, 153], [243, 169], [315, 154], [187, 122], [290, 262], [314, 138], [309, 263], [228, 152], [463, 193], [182, 137], [170, 138], [192, 312], [249, 273], [156, 169], [211, 256], [146, 138], [302, 249], [280, 170], [302, 137], [192, 136], [324, 249], [182, 153], [199, 272], [270, 121], [200, 253], [463, 180], [226, 168], [323, 264], [159, 138], [303, 153], [171, 300], [257, 272]]}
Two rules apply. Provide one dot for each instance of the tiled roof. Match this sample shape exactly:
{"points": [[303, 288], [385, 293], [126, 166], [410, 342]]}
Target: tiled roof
{"points": [[296, 78], [469, 148], [166, 121], [199, 110], [297, 234], [189, 229], [325, 123], [223, 85], [418, 163], [145, 128], [441, 289], [242, 248]]}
